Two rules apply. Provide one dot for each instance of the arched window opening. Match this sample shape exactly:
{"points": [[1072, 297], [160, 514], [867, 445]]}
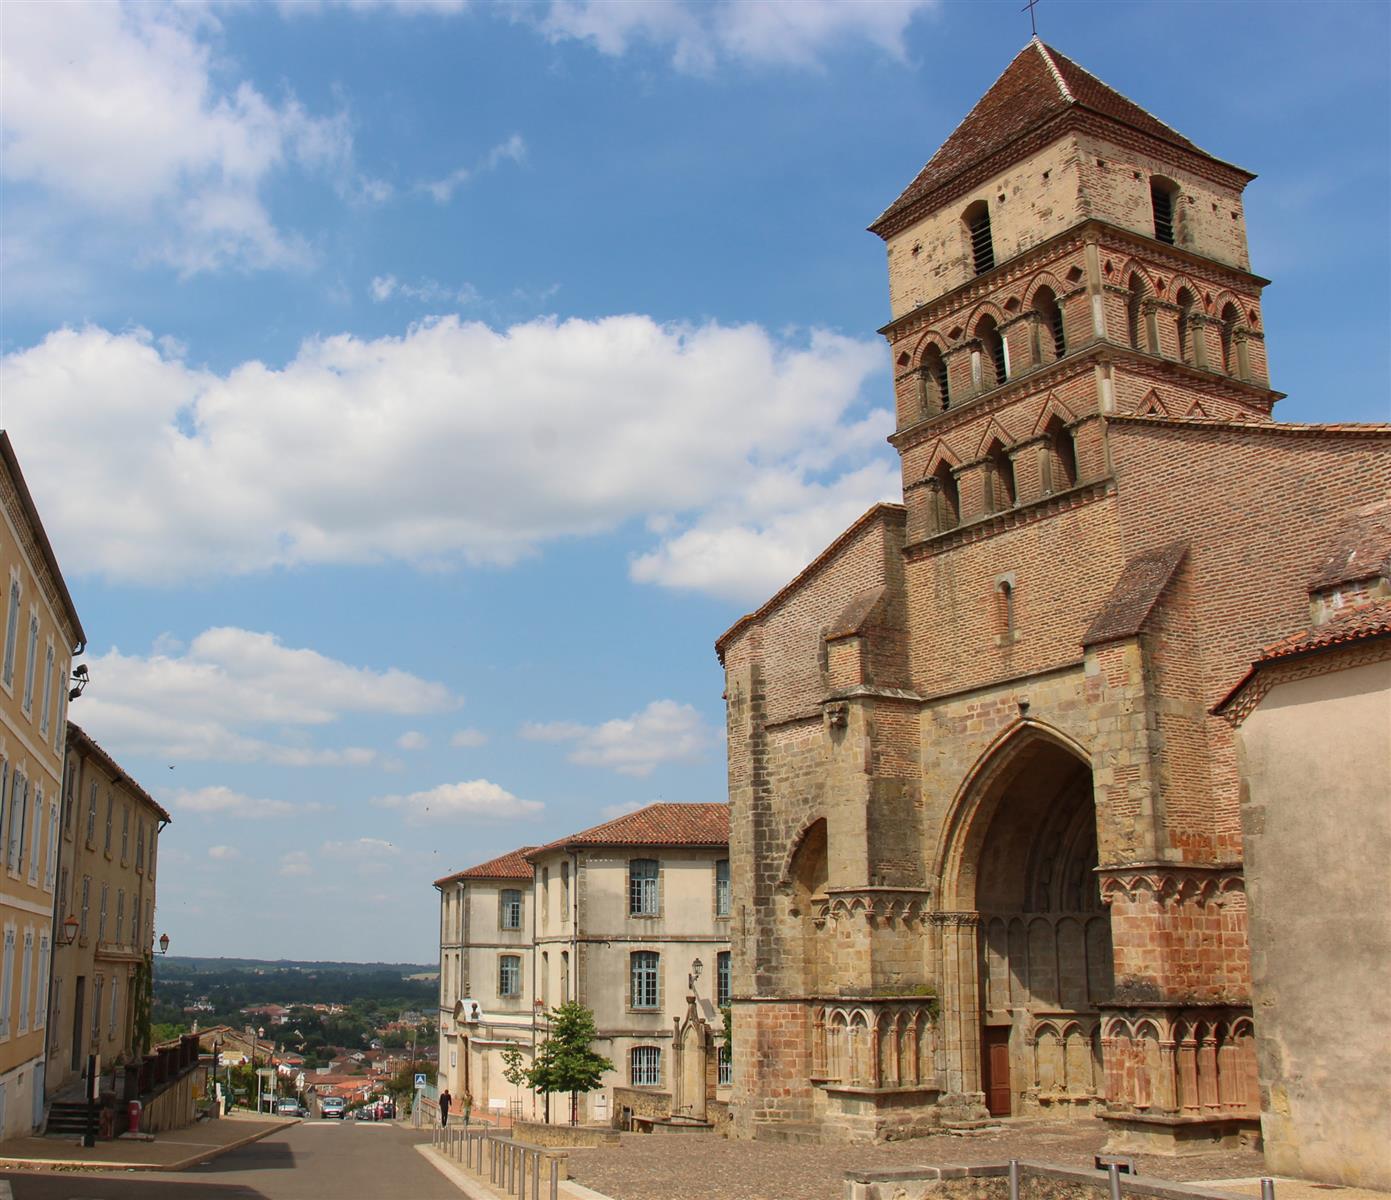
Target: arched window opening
{"points": [[1185, 302], [994, 359], [1135, 313], [1005, 592], [946, 499], [977, 219], [1231, 318], [936, 392], [1062, 457], [1001, 470], [1052, 335], [1163, 193]]}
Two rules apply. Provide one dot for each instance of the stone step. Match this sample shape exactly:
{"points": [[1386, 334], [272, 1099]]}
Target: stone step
{"points": [[789, 1133]]}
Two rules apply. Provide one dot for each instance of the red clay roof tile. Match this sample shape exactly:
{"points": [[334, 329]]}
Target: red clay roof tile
{"points": [[656, 825], [512, 865]]}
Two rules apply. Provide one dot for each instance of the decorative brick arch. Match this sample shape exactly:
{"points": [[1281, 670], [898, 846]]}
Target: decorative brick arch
{"points": [[1044, 279], [939, 454], [929, 337], [986, 308], [1052, 407]]}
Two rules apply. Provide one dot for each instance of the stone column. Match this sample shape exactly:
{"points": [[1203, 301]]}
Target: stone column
{"points": [[960, 1043]]}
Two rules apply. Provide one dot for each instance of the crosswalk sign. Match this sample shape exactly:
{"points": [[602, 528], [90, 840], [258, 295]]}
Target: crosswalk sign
{"points": [[419, 1081]]}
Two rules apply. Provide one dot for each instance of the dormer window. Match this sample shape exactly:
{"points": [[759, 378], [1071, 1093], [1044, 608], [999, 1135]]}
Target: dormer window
{"points": [[1162, 196], [977, 219]]}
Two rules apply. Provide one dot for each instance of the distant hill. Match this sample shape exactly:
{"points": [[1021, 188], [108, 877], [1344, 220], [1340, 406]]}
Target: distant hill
{"points": [[175, 965]]}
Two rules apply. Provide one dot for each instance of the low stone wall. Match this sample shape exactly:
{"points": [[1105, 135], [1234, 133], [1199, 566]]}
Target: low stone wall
{"points": [[643, 1105], [1036, 1182], [720, 1116], [540, 1134]]}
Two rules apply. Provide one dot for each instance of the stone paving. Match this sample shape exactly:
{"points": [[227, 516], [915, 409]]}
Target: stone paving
{"points": [[686, 1167]]}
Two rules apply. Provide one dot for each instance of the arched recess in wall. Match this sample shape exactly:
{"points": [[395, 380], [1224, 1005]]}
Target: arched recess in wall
{"points": [[808, 873]]}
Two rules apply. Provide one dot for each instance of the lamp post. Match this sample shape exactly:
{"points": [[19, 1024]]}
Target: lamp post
{"points": [[164, 943], [260, 1033]]}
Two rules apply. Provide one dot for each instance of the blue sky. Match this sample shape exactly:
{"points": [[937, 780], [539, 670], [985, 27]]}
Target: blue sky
{"points": [[413, 393]]}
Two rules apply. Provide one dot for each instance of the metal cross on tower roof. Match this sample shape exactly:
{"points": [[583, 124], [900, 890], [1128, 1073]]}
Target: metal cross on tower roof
{"points": [[1029, 8]]}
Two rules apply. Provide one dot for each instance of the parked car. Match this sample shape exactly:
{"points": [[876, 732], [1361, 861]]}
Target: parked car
{"points": [[332, 1106]]}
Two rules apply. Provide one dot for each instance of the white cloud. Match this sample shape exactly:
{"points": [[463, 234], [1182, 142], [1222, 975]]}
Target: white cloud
{"points": [[612, 811], [664, 731], [212, 700], [702, 33], [451, 801], [113, 110], [352, 452], [363, 848], [427, 291], [224, 801], [412, 740], [513, 150], [223, 853], [295, 864], [468, 738]]}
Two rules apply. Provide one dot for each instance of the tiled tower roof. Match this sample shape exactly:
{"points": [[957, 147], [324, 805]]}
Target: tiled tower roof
{"points": [[1037, 87]]}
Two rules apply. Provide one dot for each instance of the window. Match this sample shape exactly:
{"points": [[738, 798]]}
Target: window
{"points": [[1162, 193], [977, 219], [1051, 334], [642, 887], [125, 834], [51, 863], [1006, 590], [644, 991], [545, 979], [564, 976], [120, 915], [44, 713], [101, 913], [564, 893], [722, 888], [115, 1004], [96, 1007], [35, 822], [946, 499], [726, 1068], [140, 844], [33, 661], [68, 775], [19, 797], [26, 978], [645, 1066], [41, 992], [154, 845], [1062, 457], [723, 979], [935, 390], [1232, 347], [62, 895], [92, 815], [509, 975], [6, 982], [110, 819], [510, 904], [60, 723], [989, 358], [11, 632], [1001, 469], [86, 907], [1136, 316], [545, 896], [1186, 347]]}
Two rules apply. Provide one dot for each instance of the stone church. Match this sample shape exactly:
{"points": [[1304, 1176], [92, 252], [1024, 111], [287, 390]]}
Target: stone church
{"points": [[986, 825]]}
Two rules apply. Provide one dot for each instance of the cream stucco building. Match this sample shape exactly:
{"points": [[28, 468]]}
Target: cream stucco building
{"points": [[41, 634], [630, 918], [106, 885]]}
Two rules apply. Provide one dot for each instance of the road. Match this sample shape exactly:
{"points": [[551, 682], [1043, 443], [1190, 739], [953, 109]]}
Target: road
{"points": [[314, 1160]]}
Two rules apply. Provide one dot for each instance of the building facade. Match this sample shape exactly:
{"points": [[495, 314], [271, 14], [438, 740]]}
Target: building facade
{"points": [[630, 918], [986, 830], [106, 904], [42, 634]]}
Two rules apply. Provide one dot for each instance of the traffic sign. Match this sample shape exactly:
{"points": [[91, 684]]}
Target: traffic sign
{"points": [[419, 1081]]}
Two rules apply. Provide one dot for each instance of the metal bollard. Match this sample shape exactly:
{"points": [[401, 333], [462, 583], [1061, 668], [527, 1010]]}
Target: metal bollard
{"points": [[555, 1180], [492, 1162], [1113, 1173], [526, 1165], [1013, 1179], [1267, 1189]]}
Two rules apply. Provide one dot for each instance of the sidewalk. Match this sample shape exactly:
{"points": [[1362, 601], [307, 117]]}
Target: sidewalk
{"points": [[175, 1150]]}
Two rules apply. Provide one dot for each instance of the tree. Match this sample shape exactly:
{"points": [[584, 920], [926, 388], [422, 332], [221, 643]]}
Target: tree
{"points": [[564, 1061]]}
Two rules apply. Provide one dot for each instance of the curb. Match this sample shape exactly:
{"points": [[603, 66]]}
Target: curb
{"points": [[475, 1189], [183, 1164]]}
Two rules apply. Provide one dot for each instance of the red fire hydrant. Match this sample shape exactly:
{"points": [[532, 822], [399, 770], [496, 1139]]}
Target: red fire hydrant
{"points": [[133, 1116]]}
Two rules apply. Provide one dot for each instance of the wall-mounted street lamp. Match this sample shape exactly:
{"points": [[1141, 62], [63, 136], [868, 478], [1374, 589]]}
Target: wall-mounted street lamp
{"points": [[80, 680], [696, 967], [164, 943], [70, 927]]}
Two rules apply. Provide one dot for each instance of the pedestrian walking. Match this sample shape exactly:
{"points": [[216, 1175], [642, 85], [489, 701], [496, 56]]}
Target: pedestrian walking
{"points": [[445, 1101]]}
